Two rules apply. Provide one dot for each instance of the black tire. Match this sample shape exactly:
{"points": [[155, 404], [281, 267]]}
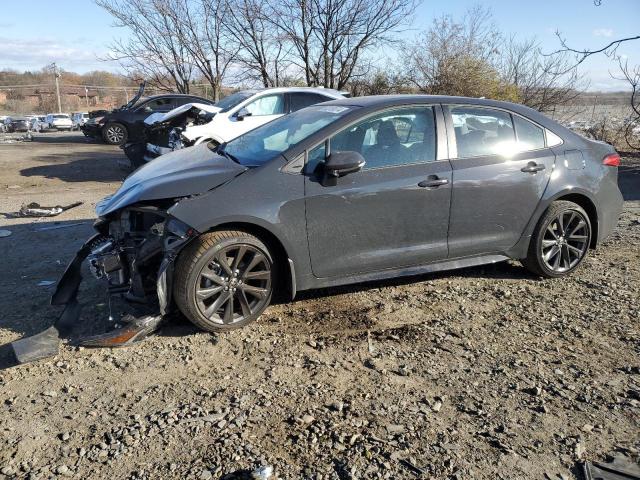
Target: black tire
{"points": [[549, 237], [115, 133], [203, 257]]}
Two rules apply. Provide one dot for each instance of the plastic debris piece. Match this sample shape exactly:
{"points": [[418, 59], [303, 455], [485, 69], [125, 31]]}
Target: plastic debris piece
{"points": [[46, 283], [5, 233], [36, 210], [262, 473], [620, 468], [135, 330]]}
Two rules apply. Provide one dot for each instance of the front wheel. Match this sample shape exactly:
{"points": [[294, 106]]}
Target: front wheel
{"points": [[560, 241], [114, 133], [224, 280]]}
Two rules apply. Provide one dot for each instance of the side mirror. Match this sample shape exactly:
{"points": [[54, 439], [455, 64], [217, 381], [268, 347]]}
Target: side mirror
{"points": [[340, 164], [243, 112]]}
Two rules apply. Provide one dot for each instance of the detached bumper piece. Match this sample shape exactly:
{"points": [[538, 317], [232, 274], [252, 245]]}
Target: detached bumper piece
{"points": [[135, 330]]}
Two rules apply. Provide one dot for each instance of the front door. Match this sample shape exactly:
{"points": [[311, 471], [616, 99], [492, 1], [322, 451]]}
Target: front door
{"points": [[394, 212], [500, 172], [260, 111]]}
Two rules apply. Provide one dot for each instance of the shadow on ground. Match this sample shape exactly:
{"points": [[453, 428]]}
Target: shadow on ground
{"points": [[91, 167], [629, 182], [74, 138]]}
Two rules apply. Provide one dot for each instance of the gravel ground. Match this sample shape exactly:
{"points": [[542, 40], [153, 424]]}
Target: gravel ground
{"points": [[483, 373]]}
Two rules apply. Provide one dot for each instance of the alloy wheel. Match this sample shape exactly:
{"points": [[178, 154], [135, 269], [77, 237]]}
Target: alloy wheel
{"points": [[115, 134], [234, 284], [565, 241]]}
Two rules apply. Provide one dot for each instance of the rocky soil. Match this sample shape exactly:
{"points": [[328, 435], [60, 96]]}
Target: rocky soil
{"points": [[483, 373]]}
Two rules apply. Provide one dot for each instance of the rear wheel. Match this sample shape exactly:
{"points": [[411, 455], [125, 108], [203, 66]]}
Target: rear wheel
{"points": [[114, 133], [560, 241], [224, 280]]}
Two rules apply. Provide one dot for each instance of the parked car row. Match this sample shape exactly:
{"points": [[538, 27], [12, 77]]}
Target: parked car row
{"points": [[42, 123]]}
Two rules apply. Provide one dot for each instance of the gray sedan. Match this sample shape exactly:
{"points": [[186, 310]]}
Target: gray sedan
{"points": [[350, 191]]}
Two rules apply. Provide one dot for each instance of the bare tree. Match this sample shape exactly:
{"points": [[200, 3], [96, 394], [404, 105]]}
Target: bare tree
{"points": [[384, 81], [542, 82], [457, 58], [330, 38], [153, 49], [263, 53], [632, 76]]}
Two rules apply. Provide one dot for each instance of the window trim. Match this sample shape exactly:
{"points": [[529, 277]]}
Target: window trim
{"points": [[451, 134], [439, 124]]}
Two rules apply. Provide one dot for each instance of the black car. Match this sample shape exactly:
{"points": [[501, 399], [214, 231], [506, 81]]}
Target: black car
{"points": [[117, 126], [19, 124]]}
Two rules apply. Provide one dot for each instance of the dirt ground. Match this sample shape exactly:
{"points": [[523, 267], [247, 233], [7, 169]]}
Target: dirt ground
{"points": [[482, 373]]}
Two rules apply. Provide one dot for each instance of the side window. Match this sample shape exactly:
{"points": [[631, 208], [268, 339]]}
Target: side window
{"points": [[398, 137], [267, 105], [179, 101], [482, 131], [530, 136], [299, 100], [159, 104]]}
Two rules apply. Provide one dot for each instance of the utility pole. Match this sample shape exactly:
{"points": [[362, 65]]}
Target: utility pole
{"points": [[86, 96], [57, 75]]}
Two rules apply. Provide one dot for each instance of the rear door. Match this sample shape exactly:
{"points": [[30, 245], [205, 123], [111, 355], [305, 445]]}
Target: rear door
{"points": [[501, 167], [299, 100], [395, 211]]}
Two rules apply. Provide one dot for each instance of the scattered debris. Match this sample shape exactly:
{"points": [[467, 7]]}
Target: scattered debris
{"points": [[5, 233], [46, 283], [36, 210]]}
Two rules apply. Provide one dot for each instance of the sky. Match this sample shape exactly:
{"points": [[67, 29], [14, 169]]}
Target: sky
{"points": [[75, 33]]}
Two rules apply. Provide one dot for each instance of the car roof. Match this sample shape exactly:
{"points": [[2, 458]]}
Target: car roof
{"points": [[381, 101], [173, 95], [319, 90]]}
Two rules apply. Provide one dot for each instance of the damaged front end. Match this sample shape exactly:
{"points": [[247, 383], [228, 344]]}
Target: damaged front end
{"points": [[133, 252], [164, 133]]}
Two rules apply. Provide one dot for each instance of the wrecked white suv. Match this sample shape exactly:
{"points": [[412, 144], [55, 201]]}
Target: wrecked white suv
{"points": [[234, 115]]}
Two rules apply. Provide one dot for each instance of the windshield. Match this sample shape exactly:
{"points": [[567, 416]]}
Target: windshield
{"points": [[227, 103], [268, 141]]}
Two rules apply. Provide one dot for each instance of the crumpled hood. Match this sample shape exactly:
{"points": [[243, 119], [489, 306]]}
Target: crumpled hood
{"points": [[189, 171], [163, 117]]}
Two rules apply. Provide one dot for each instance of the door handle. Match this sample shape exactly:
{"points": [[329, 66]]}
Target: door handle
{"points": [[433, 181], [532, 167]]}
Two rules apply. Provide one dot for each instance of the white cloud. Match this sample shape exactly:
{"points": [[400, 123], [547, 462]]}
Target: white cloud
{"points": [[603, 32], [35, 53]]}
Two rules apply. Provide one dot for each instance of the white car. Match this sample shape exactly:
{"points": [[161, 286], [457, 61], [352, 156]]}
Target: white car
{"points": [[195, 123], [78, 119], [59, 121]]}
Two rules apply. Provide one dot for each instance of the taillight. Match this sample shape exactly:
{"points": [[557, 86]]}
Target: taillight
{"points": [[611, 160]]}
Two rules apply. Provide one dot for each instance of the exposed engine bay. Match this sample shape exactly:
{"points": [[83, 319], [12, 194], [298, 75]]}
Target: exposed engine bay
{"points": [[133, 253], [166, 135]]}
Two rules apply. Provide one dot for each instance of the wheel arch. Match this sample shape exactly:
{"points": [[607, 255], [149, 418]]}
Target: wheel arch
{"points": [[582, 198], [589, 206], [282, 260]]}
